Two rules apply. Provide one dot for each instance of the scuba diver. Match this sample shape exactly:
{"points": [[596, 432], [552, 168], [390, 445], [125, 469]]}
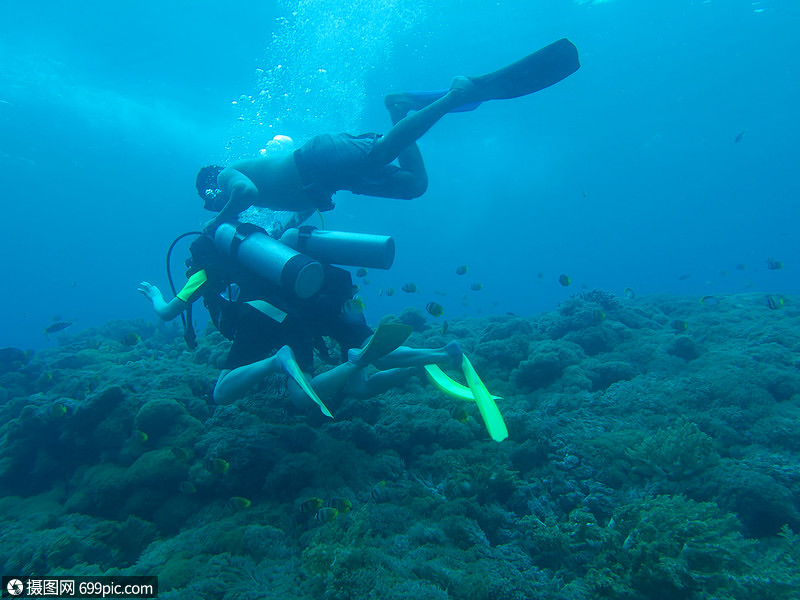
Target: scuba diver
{"points": [[275, 304], [307, 178]]}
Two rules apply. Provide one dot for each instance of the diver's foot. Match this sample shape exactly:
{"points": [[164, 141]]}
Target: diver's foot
{"points": [[401, 103], [455, 353], [287, 361], [464, 90], [366, 355], [357, 356]]}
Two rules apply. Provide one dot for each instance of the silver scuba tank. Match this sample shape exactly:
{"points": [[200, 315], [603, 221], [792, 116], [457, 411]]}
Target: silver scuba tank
{"points": [[342, 247], [279, 264]]}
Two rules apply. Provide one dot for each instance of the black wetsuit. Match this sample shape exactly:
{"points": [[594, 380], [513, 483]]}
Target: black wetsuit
{"points": [[230, 286]]}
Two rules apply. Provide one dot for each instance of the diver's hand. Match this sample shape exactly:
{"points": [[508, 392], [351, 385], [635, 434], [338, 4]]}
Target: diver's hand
{"points": [[166, 311], [211, 226], [151, 292]]}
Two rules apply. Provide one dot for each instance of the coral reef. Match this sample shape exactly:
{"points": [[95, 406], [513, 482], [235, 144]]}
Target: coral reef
{"points": [[653, 453]]}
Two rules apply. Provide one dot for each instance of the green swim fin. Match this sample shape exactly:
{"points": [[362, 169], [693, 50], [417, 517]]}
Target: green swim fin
{"points": [[445, 384], [489, 411], [476, 391], [535, 72]]}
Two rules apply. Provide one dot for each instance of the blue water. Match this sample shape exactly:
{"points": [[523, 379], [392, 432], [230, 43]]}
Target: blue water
{"points": [[624, 175]]}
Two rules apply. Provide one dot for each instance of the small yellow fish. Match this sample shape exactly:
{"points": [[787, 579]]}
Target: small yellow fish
{"points": [[709, 301], [140, 436], [311, 505], [379, 491], [598, 315], [460, 414], [130, 339], [180, 453], [679, 325], [476, 287], [774, 265], [187, 487], [219, 466], [409, 288], [629, 293], [461, 269], [342, 505], [362, 272], [444, 327], [238, 503], [57, 410], [354, 306], [775, 302], [564, 280], [435, 309], [390, 291], [326, 515]]}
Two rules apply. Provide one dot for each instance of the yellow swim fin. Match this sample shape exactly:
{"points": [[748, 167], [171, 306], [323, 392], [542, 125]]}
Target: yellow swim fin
{"points": [[476, 392], [447, 385], [489, 411], [292, 369]]}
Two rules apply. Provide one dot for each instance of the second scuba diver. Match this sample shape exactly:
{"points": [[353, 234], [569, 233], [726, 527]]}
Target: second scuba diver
{"points": [[275, 331]]}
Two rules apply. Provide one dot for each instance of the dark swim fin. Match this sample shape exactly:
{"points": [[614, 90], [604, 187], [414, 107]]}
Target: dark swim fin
{"points": [[535, 72], [387, 338]]}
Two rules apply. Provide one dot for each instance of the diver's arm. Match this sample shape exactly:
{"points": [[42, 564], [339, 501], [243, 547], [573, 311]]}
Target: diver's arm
{"points": [[241, 193], [166, 311], [169, 310]]}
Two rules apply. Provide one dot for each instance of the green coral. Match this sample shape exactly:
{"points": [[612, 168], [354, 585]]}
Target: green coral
{"points": [[667, 547], [546, 363], [677, 453], [672, 547]]}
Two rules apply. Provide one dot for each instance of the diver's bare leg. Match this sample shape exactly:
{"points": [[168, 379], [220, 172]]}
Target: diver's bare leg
{"points": [[413, 126], [446, 356], [235, 383], [325, 384], [379, 382], [410, 158]]}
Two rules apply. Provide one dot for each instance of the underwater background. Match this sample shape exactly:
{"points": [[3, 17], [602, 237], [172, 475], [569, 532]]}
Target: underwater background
{"points": [[654, 447]]}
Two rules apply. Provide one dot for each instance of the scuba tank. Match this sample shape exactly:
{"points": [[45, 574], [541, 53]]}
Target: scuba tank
{"points": [[278, 263], [342, 247]]}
